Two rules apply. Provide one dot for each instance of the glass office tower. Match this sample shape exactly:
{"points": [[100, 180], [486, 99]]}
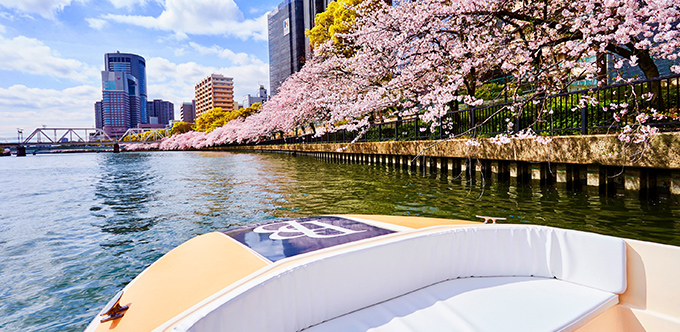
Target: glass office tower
{"points": [[134, 65], [286, 42]]}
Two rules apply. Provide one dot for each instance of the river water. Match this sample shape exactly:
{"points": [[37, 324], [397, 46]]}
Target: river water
{"points": [[76, 228]]}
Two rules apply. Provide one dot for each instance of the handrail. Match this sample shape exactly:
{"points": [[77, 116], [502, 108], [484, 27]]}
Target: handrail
{"points": [[475, 121]]}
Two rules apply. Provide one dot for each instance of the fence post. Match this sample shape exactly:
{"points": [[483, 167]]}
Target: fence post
{"points": [[415, 134], [584, 121], [472, 118]]}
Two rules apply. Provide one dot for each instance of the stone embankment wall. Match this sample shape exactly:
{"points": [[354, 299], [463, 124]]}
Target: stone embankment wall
{"points": [[577, 161]]}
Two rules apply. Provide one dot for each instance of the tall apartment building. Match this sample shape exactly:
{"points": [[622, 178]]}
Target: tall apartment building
{"points": [[214, 91], [259, 98], [187, 112], [160, 111]]}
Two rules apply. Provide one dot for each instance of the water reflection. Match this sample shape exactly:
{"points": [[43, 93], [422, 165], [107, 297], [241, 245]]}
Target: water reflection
{"points": [[126, 185], [74, 229], [330, 188]]}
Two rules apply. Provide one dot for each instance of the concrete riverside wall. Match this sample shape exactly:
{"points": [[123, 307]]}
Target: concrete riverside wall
{"points": [[589, 160]]}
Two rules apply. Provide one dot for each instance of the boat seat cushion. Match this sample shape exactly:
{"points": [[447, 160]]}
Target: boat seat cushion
{"points": [[316, 290], [481, 304]]}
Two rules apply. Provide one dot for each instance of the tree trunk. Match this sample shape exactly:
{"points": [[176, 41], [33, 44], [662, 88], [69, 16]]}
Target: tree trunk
{"points": [[471, 82], [648, 67], [602, 77]]}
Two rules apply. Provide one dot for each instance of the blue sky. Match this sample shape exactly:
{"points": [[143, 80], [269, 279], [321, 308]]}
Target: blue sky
{"points": [[52, 52]]}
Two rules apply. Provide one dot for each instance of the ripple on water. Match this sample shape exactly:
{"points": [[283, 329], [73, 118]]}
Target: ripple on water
{"points": [[77, 228]]}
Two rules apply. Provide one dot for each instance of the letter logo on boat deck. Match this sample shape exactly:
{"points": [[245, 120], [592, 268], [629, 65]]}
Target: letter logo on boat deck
{"points": [[292, 229], [281, 239]]}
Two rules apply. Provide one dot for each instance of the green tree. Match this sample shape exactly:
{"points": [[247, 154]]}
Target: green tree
{"points": [[180, 127], [338, 18], [248, 111], [217, 117], [211, 120]]}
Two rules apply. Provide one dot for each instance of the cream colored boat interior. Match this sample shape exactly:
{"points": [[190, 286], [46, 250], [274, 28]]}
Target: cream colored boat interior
{"points": [[432, 274], [480, 278]]}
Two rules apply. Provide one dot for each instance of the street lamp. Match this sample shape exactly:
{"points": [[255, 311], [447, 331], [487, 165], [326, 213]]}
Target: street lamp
{"points": [[20, 134]]}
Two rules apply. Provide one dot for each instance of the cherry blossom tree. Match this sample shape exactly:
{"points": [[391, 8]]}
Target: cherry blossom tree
{"points": [[427, 57]]}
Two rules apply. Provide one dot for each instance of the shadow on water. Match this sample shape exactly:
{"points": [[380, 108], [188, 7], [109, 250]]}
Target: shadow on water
{"points": [[125, 187]]}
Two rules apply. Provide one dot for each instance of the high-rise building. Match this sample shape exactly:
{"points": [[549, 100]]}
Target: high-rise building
{"points": [[123, 104], [98, 115], [160, 111], [134, 65], [311, 8], [286, 41], [288, 46], [187, 113], [214, 91], [259, 98], [120, 102]]}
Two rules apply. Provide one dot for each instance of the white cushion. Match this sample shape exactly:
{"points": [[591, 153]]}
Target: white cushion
{"points": [[315, 291], [481, 304]]}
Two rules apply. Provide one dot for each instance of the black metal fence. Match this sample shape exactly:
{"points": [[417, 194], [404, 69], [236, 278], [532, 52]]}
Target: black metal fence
{"points": [[573, 113]]}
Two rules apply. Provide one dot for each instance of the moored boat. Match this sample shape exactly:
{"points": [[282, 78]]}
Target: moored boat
{"points": [[392, 273]]}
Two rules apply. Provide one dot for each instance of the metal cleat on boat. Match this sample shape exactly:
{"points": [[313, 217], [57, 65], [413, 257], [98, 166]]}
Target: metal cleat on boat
{"points": [[113, 309], [492, 219]]}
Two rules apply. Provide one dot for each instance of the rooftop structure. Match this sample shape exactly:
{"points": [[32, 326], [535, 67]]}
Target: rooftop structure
{"points": [[259, 98]]}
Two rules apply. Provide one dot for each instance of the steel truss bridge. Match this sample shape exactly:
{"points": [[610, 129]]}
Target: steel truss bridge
{"points": [[84, 137]]}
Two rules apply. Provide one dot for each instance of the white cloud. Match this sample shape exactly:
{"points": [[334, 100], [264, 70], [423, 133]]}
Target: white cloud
{"points": [[236, 58], [2, 29], [258, 10], [7, 16], [127, 3], [173, 37], [44, 8], [175, 82], [200, 17], [96, 23], [29, 55], [30, 108]]}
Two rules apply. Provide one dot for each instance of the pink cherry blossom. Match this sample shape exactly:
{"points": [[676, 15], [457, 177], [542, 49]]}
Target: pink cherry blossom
{"points": [[428, 57]]}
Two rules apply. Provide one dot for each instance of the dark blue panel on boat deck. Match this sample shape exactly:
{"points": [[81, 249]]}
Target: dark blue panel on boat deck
{"points": [[281, 239]]}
